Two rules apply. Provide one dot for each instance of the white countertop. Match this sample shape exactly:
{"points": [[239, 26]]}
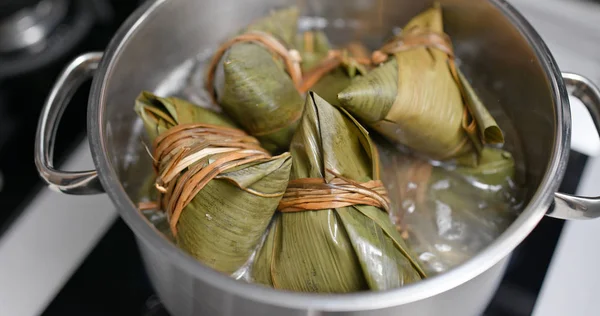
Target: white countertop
{"points": [[572, 282], [46, 244], [571, 29]]}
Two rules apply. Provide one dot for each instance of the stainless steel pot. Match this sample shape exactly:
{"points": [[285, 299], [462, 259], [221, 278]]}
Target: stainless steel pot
{"points": [[497, 47]]}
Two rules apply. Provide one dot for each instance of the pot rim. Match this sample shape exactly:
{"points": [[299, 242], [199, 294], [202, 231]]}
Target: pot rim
{"points": [[499, 249]]}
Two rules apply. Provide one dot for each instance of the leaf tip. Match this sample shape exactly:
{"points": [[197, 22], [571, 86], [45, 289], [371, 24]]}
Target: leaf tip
{"points": [[493, 135]]}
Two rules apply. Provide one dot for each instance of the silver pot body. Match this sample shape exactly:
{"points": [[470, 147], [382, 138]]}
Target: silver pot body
{"points": [[185, 294], [510, 66]]}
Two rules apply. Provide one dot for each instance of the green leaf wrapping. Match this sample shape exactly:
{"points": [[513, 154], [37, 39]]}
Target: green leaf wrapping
{"points": [[448, 216], [224, 223], [159, 114], [255, 89], [314, 47], [489, 131], [414, 99], [334, 250], [331, 84]]}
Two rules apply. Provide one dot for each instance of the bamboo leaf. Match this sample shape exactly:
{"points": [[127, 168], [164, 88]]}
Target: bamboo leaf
{"points": [[223, 224], [383, 262], [313, 47], [331, 84], [160, 114], [261, 268], [496, 167], [488, 128], [371, 97], [282, 23]]}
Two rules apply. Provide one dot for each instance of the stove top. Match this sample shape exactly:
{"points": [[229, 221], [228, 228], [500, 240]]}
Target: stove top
{"points": [[111, 279], [26, 76]]}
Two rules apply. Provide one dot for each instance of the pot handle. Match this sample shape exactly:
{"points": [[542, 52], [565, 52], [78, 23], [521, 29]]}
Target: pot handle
{"points": [[71, 182], [575, 207]]}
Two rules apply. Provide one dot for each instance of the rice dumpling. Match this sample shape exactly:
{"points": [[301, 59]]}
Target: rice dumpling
{"points": [[260, 75], [217, 186], [333, 233], [419, 98], [447, 216]]}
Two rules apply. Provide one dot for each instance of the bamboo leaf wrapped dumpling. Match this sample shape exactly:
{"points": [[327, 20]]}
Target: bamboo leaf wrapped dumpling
{"points": [[218, 187], [419, 98], [260, 76], [333, 233]]}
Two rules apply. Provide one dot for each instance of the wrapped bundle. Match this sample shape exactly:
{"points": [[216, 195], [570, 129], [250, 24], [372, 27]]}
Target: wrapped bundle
{"points": [[418, 97], [333, 233], [260, 79], [448, 216], [217, 186]]}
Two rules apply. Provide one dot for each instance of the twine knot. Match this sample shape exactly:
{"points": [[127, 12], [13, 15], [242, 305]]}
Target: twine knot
{"points": [[310, 194], [186, 157]]}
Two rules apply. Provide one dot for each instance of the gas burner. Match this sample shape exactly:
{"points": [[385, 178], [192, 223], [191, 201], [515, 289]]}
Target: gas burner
{"points": [[35, 33], [31, 25]]}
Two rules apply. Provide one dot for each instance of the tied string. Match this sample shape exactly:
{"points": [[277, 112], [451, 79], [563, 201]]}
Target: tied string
{"points": [[311, 194], [334, 59], [291, 58], [419, 38], [412, 39], [186, 157]]}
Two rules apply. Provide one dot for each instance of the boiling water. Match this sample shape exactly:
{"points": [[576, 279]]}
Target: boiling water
{"points": [[443, 232], [445, 218]]}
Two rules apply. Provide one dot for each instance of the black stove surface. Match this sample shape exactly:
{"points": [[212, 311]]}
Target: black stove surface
{"points": [[23, 91], [10, 7], [112, 281]]}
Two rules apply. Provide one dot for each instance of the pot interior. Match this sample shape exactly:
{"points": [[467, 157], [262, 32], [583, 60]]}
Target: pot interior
{"points": [[159, 55]]}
